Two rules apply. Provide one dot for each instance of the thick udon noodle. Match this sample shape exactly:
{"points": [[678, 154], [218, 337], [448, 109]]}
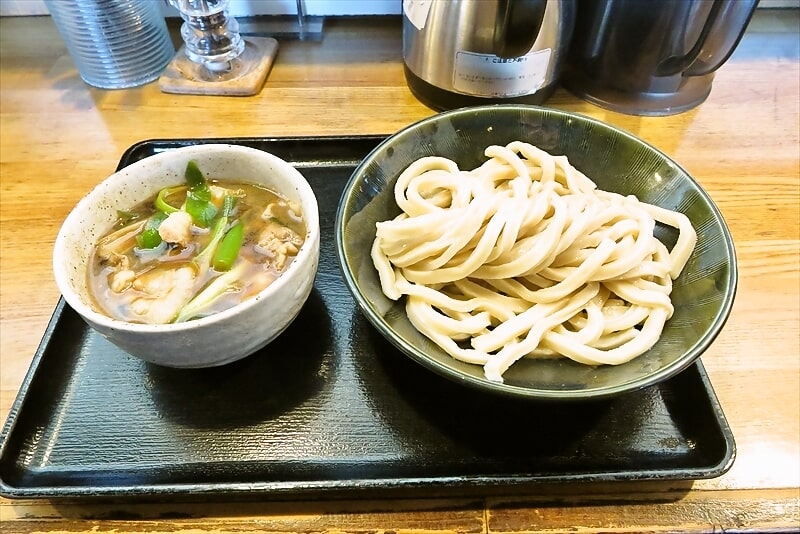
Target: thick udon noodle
{"points": [[525, 256]]}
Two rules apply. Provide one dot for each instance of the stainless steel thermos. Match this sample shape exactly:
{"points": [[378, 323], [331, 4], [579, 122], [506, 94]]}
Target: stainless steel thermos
{"points": [[465, 52]]}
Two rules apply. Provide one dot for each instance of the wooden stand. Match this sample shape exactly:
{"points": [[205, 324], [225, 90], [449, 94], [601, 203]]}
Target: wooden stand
{"points": [[245, 78]]}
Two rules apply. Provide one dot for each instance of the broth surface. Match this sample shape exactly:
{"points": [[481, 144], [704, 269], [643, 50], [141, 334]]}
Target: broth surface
{"points": [[133, 284]]}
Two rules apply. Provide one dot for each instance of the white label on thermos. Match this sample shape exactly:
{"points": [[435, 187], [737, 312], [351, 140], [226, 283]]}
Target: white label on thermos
{"points": [[493, 76], [417, 11]]}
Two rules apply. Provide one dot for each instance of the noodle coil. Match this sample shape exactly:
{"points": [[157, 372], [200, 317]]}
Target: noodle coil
{"points": [[524, 256]]}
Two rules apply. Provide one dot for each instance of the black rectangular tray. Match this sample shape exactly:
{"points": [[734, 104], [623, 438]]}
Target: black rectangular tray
{"points": [[328, 409]]}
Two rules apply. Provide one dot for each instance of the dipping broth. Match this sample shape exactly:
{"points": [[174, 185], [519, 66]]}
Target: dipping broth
{"points": [[194, 250]]}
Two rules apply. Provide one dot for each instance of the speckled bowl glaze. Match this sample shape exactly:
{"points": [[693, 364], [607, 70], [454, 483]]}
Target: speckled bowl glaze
{"points": [[216, 339], [616, 161]]}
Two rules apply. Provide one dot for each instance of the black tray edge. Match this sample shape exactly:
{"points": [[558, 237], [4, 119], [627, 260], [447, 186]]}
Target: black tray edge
{"points": [[468, 486], [171, 143], [19, 400]]}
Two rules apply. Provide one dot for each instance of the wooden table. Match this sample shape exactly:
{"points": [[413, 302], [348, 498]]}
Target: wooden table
{"points": [[60, 137]]}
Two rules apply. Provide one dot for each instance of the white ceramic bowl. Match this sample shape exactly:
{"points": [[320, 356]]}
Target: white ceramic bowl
{"points": [[216, 339]]}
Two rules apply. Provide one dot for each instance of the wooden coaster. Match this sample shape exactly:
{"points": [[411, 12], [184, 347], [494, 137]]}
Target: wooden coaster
{"points": [[246, 76]]}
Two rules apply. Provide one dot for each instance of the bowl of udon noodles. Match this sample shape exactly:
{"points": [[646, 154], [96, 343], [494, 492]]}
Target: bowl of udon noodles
{"points": [[535, 253], [192, 257]]}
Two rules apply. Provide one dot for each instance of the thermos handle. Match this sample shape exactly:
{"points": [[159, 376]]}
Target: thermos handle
{"points": [[517, 25], [715, 44]]}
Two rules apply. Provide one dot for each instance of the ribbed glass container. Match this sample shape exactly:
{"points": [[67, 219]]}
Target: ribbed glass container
{"points": [[115, 44]]}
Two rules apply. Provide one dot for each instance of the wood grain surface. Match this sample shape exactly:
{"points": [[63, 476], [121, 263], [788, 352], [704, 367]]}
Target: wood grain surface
{"points": [[59, 137]]}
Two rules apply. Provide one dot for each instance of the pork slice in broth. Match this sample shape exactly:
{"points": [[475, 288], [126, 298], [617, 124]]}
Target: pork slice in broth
{"points": [[161, 293]]}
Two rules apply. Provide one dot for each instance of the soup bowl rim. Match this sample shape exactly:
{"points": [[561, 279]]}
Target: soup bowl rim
{"points": [[84, 205]]}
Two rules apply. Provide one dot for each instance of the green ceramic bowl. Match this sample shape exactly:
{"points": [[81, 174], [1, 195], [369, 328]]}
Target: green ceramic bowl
{"points": [[616, 161]]}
